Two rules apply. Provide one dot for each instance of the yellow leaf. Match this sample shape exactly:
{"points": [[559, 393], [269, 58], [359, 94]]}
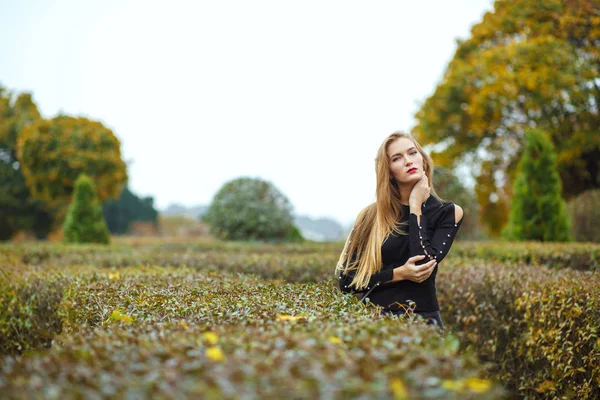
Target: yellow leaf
{"points": [[215, 354], [116, 314], [126, 318], [113, 276], [456, 386], [211, 337], [398, 389], [546, 386], [335, 339], [185, 326], [478, 385], [284, 317]]}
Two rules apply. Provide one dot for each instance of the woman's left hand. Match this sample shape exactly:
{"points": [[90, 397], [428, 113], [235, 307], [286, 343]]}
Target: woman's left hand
{"points": [[420, 192]]}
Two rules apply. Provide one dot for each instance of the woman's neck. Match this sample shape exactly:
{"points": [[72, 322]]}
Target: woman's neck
{"points": [[405, 194]]}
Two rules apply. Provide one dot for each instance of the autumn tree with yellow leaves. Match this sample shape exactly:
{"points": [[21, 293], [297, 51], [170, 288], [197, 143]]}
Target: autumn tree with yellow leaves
{"points": [[526, 64], [18, 210], [53, 153]]}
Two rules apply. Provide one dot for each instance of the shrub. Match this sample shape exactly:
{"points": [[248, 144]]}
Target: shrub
{"points": [[29, 317], [536, 327], [176, 332], [585, 214], [85, 222], [250, 209], [537, 210]]}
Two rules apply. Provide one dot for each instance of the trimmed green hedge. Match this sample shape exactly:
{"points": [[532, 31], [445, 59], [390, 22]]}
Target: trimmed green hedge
{"points": [[28, 311], [157, 331], [536, 327], [581, 256]]}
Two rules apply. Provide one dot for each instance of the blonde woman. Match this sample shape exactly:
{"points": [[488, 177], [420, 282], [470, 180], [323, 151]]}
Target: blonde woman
{"points": [[397, 243]]}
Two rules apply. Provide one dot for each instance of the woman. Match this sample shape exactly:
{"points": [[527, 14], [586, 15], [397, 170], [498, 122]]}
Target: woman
{"points": [[394, 249]]}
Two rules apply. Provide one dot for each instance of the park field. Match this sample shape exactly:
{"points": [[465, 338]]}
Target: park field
{"points": [[178, 318]]}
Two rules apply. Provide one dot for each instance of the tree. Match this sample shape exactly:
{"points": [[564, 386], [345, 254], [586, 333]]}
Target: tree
{"points": [[537, 210], [120, 213], [526, 64], [18, 210], [54, 153], [585, 214], [84, 222], [450, 188], [250, 209]]}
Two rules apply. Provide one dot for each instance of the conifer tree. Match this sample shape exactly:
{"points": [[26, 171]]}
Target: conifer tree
{"points": [[84, 222], [537, 210]]}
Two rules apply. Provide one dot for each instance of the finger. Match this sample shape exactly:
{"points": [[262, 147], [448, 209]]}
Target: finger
{"points": [[427, 265], [417, 258]]}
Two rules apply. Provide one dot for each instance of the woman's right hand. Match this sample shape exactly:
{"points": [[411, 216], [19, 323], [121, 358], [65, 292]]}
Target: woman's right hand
{"points": [[416, 273]]}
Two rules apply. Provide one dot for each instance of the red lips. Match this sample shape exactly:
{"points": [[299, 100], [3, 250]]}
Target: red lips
{"points": [[410, 171]]}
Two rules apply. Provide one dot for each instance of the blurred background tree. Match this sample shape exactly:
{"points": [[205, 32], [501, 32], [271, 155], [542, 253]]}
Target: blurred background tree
{"points": [[128, 208], [537, 211], [585, 216], [251, 209], [449, 187], [53, 153], [84, 222], [527, 64], [19, 211]]}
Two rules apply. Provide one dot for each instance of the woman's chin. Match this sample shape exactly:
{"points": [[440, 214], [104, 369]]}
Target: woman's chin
{"points": [[411, 178], [415, 177]]}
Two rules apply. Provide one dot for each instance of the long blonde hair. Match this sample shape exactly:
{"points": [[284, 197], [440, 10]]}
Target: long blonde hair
{"points": [[379, 219]]}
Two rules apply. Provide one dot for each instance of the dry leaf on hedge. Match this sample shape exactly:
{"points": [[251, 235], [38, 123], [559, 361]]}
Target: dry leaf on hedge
{"points": [[215, 354], [398, 389]]}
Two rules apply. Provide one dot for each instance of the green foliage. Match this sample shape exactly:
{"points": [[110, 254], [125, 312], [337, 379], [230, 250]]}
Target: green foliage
{"points": [[250, 209], [527, 63], [28, 311], [537, 210], [53, 153], [128, 208], [536, 327], [448, 186], [18, 210], [585, 214], [84, 222], [222, 335], [580, 256]]}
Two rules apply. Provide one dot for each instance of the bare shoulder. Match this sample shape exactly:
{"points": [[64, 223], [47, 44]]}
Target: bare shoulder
{"points": [[458, 213]]}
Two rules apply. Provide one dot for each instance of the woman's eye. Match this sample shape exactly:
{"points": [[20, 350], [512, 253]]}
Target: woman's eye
{"points": [[414, 152]]}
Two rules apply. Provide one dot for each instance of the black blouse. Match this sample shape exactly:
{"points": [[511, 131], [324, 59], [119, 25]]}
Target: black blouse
{"points": [[432, 238]]}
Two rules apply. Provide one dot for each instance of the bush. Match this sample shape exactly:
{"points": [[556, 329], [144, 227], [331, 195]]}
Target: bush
{"points": [[449, 187], [85, 222], [537, 210], [176, 332], [581, 256], [250, 209], [585, 214], [536, 327], [29, 317]]}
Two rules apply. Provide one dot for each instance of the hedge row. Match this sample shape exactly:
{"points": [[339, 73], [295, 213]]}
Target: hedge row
{"points": [[28, 310], [178, 333], [580, 256], [231, 255], [536, 327]]}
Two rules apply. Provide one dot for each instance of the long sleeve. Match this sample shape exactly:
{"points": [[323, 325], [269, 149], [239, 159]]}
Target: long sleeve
{"points": [[437, 246], [380, 277]]}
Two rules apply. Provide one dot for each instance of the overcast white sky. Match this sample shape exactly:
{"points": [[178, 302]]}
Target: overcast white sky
{"points": [[200, 92]]}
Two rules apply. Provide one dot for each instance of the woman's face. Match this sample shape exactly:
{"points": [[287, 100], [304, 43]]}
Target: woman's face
{"points": [[406, 163]]}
